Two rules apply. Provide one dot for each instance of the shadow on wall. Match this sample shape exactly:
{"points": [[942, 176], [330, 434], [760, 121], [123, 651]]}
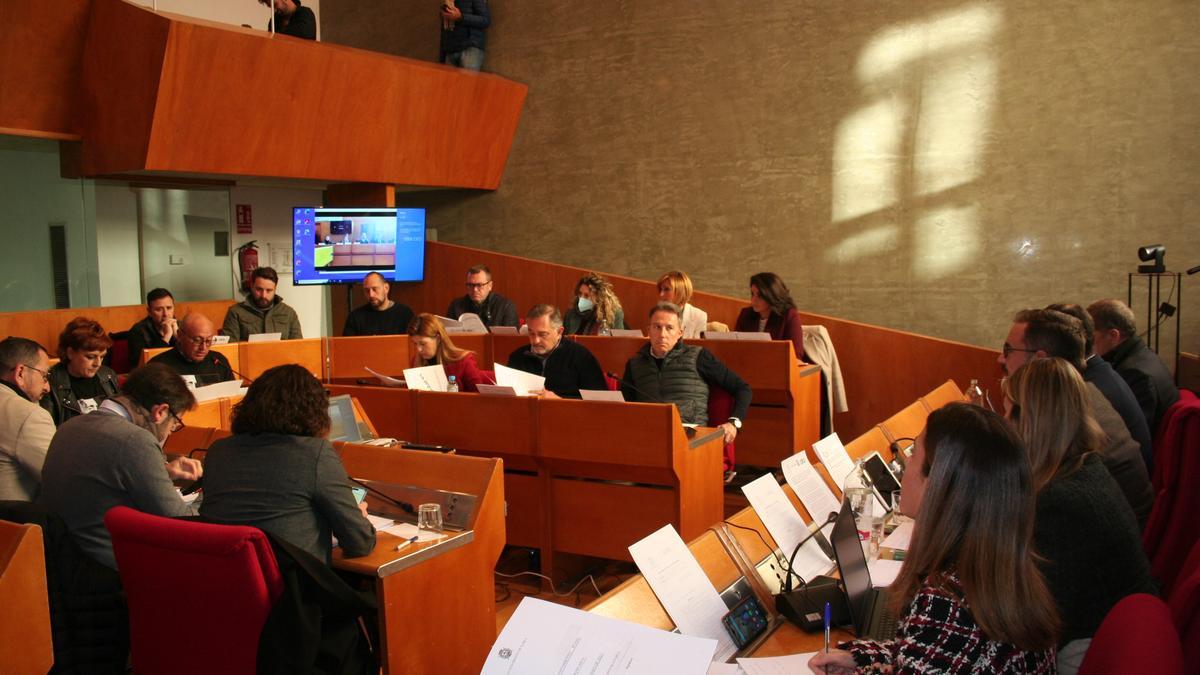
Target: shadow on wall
{"points": [[929, 165]]}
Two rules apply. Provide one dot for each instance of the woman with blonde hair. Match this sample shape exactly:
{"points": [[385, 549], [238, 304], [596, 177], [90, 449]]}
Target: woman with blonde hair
{"points": [[969, 596], [596, 309], [1085, 530], [676, 288], [432, 346]]}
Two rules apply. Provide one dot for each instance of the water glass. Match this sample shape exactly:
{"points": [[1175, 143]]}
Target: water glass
{"points": [[898, 516], [429, 518]]}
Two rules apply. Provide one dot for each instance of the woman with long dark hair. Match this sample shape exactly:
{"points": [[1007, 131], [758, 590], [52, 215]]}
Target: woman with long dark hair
{"points": [[596, 308], [773, 311], [970, 596]]}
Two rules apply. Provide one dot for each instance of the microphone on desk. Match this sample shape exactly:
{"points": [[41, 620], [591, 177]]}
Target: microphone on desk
{"points": [[787, 585], [797, 606], [403, 506], [622, 381]]}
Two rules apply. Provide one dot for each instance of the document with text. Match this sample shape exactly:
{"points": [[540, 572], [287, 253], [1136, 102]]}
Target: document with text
{"points": [[810, 488], [426, 378], [833, 455], [682, 588], [522, 382], [542, 637], [786, 526]]}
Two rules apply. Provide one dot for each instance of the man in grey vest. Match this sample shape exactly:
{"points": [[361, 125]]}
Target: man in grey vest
{"points": [[667, 371]]}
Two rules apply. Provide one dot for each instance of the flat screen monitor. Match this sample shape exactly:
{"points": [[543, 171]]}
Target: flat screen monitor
{"points": [[341, 245]]}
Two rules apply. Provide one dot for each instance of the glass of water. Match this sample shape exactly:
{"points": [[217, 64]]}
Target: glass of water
{"points": [[429, 518]]}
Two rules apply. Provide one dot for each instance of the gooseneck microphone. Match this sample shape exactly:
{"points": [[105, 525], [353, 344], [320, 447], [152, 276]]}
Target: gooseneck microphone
{"points": [[787, 586], [623, 381], [406, 507]]}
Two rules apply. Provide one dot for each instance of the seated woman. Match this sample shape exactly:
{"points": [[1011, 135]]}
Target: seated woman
{"points": [[431, 346], [596, 309], [676, 288], [773, 311], [279, 473], [970, 597], [1086, 532], [80, 381]]}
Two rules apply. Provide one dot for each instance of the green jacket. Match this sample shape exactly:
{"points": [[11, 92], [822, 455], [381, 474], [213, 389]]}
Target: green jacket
{"points": [[245, 319]]}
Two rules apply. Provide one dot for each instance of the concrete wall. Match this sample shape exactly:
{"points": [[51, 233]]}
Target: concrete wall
{"points": [[930, 166]]}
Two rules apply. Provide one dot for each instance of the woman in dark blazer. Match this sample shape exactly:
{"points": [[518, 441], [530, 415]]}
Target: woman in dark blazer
{"points": [[773, 311]]}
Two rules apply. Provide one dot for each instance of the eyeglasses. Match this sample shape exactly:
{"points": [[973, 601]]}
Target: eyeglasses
{"points": [[1009, 349], [44, 373], [177, 424], [201, 342], [471, 286]]}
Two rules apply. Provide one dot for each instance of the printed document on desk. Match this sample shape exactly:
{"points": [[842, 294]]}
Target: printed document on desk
{"points": [[522, 382], [385, 379], [776, 665], [542, 637], [809, 487], [426, 378], [682, 588], [833, 455], [219, 390], [786, 526]]}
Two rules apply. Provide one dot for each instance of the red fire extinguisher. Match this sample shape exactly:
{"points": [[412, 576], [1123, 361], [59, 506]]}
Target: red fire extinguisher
{"points": [[248, 262]]}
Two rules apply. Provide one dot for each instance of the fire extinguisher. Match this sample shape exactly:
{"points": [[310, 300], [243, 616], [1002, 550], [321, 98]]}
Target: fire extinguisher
{"points": [[248, 262]]}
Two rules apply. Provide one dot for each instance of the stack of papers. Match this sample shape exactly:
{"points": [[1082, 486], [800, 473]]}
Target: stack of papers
{"points": [[522, 383], [426, 378], [219, 390], [883, 572]]}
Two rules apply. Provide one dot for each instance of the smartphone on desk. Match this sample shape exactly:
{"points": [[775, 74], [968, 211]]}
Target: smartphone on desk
{"points": [[360, 493]]}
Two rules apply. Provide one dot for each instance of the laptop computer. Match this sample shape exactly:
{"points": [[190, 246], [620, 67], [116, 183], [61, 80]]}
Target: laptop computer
{"points": [[869, 607], [343, 425]]}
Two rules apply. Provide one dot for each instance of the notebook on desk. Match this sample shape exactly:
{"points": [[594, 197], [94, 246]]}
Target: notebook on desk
{"points": [[870, 609]]}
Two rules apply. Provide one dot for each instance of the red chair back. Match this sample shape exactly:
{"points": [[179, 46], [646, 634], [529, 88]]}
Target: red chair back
{"points": [[612, 383], [118, 353], [1174, 522], [198, 593], [720, 407], [1136, 637], [1184, 601]]}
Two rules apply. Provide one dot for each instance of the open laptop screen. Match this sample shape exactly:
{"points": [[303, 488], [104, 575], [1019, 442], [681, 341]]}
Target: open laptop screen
{"points": [[852, 565], [343, 426]]}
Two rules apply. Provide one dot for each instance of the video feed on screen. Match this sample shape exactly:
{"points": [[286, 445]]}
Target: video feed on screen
{"points": [[341, 245]]}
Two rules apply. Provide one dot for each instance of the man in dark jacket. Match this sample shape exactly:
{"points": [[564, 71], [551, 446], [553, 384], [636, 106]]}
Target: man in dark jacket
{"points": [[157, 329], [567, 366], [667, 371], [1117, 341], [464, 33], [491, 307], [292, 19], [262, 311]]}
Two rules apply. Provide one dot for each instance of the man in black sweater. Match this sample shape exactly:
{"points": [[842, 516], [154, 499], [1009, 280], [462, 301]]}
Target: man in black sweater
{"points": [[567, 366], [192, 357], [492, 308], [1118, 342], [157, 329], [292, 19], [381, 315]]}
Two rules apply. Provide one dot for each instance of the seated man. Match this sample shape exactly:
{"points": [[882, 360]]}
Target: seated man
{"points": [[493, 309], [1118, 343], [25, 427], [292, 19], [380, 316], [262, 311], [667, 371], [113, 457], [155, 331], [192, 356], [567, 365]]}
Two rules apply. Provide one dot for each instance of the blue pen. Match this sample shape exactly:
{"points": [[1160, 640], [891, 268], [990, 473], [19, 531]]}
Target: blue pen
{"points": [[827, 628], [413, 539]]}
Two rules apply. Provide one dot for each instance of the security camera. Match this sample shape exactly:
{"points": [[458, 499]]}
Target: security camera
{"points": [[1153, 252]]}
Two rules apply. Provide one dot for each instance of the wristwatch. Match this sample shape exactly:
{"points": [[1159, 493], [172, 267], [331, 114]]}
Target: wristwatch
{"points": [[737, 424]]}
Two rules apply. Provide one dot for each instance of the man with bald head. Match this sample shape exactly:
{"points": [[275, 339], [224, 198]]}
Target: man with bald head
{"points": [[192, 357]]}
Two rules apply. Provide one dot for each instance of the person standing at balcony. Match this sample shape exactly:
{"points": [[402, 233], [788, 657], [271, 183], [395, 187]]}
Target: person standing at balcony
{"points": [[292, 19], [464, 33]]}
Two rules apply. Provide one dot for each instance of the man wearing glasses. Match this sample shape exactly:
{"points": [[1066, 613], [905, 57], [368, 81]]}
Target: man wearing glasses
{"points": [[25, 427], [492, 308], [113, 457], [193, 357]]}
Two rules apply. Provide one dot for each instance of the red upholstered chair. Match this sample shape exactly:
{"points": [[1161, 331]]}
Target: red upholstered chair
{"points": [[1174, 523], [198, 593], [118, 353], [613, 383], [1184, 600], [720, 407], [1136, 637]]}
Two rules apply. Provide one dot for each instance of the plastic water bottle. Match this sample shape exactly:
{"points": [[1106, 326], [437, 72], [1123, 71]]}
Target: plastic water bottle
{"points": [[604, 330], [452, 384], [975, 394], [862, 504]]}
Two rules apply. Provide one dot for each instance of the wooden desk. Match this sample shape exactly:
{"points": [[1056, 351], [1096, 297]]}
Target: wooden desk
{"points": [[437, 607]]}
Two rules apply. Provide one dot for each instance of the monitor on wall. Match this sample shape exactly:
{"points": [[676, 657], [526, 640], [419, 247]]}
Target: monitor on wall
{"points": [[341, 245]]}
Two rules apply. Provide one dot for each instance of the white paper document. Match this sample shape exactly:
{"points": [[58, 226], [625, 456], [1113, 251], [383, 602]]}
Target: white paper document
{"points": [[625, 332], [715, 668], [385, 379], [522, 382], [265, 337], [899, 537], [426, 378], [810, 488], [503, 330], [601, 395], [737, 335], [883, 572], [219, 390], [542, 637], [220, 339], [495, 390], [786, 526], [792, 664], [408, 531], [447, 322], [682, 588], [833, 455]]}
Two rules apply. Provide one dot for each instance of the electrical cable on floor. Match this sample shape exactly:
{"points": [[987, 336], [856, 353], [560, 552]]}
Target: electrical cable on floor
{"points": [[556, 593]]}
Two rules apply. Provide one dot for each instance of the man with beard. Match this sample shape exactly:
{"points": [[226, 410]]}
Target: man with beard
{"points": [[380, 316], [567, 365], [262, 311], [193, 356], [155, 331]]}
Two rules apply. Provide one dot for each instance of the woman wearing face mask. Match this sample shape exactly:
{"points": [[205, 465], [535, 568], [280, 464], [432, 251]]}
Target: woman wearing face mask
{"points": [[431, 345], [676, 288], [596, 309], [773, 311], [969, 597], [80, 381]]}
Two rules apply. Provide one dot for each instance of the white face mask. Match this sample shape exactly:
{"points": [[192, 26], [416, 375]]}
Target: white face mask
{"points": [[585, 304]]}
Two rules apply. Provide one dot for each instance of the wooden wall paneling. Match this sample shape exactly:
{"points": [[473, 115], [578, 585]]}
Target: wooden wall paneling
{"points": [[504, 345], [206, 414], [231, 351], [906, 423], [495, 426], [526, 522], [349, 357], [25, 642], [610, 440], [699, 481], [611, 352], [476, 342], [628, 513], [41, 55], [257, 357], [871, 440], [360, 194], [390, 409], [191, 437], [947, 392]]}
